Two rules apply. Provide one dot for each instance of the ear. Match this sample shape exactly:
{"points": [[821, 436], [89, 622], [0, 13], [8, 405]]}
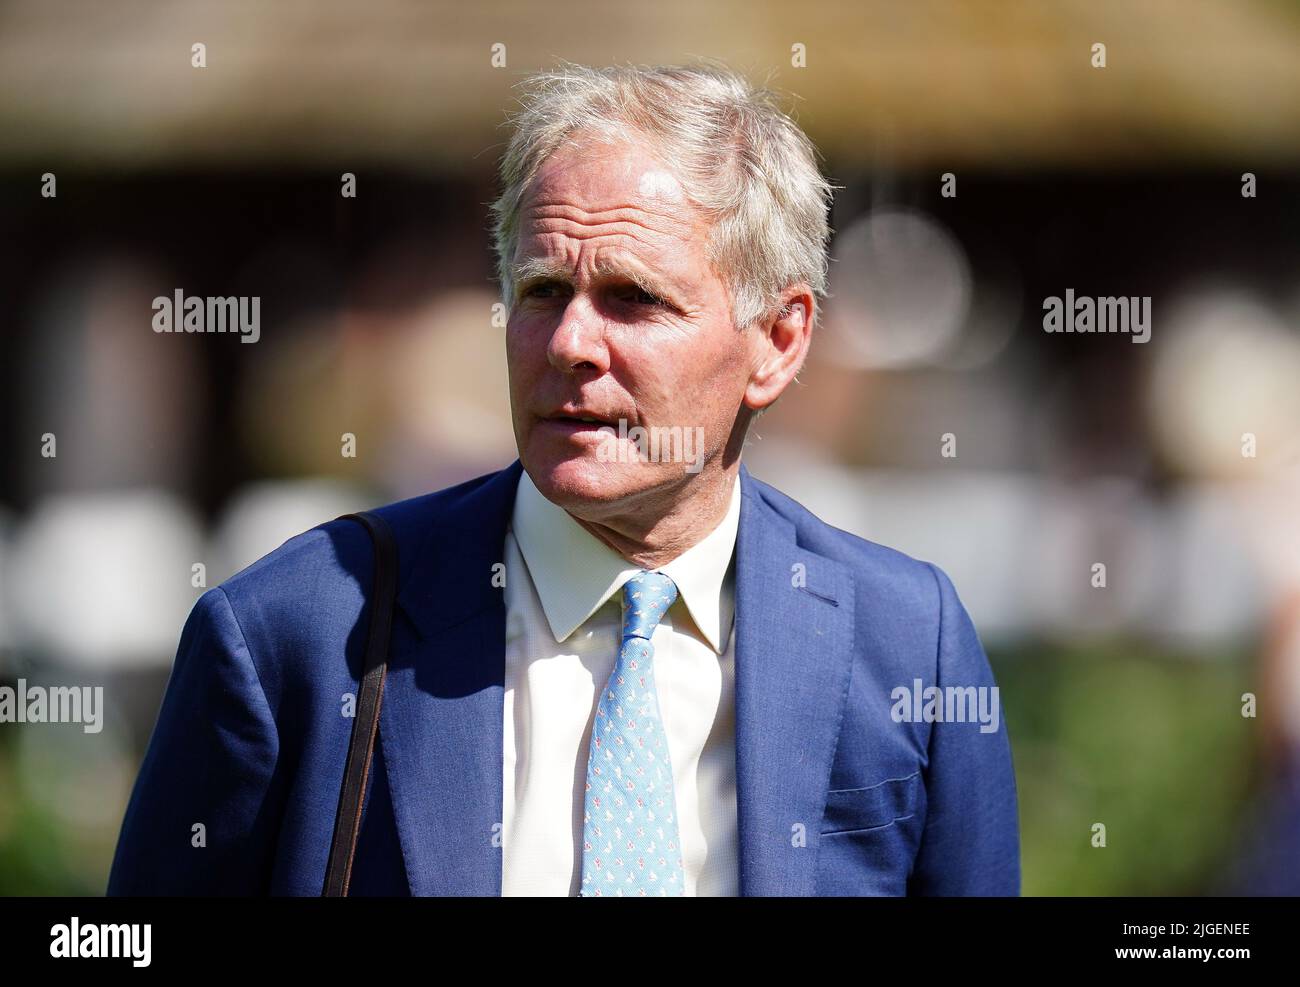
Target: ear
{"points": [[780, 345]]}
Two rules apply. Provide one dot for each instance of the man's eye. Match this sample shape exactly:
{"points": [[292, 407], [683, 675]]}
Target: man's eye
{"points": [[639, 296], [540, 289]]}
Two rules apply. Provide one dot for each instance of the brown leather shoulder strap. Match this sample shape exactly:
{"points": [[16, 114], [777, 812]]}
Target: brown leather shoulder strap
{"points": [[347, 823]]}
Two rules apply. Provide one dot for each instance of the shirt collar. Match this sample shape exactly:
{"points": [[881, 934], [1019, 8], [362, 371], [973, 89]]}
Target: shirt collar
{"points": [[575, 573]]}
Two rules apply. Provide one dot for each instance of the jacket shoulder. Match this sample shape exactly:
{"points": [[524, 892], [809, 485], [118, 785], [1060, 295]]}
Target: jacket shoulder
{"points": [[303, 600], [334, 546]]}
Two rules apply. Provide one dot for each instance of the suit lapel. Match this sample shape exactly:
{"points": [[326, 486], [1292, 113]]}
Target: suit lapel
{"points": [[441, 721], [794, 646]]}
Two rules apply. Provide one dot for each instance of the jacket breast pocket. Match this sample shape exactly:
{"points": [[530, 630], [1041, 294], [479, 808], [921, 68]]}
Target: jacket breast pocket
{"points": [[869, 837], [850, 810]]}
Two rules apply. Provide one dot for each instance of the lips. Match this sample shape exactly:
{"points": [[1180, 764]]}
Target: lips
{"points": [[568, 419], [584, 417]]}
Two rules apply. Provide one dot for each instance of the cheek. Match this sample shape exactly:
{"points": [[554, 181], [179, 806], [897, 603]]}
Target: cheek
{"points": [[522, 351], [689, 381], [720, 360], [724, 374]]}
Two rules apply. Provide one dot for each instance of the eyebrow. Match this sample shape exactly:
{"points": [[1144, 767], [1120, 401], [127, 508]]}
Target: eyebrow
{"points": [[535, 270]]}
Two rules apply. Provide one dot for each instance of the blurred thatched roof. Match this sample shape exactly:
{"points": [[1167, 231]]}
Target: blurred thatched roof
{"points": [[940, 82]]}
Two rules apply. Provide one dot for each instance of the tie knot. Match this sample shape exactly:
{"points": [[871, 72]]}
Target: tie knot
{"points": [[646, 598]]}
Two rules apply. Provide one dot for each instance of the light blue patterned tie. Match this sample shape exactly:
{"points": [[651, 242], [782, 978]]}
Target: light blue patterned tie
{"points": [[630, 844]]}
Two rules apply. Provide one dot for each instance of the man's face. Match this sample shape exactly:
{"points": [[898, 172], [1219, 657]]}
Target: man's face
{"points": [[618, 316]]}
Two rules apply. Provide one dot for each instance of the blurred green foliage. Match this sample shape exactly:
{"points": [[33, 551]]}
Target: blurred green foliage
{"points": [[1152, 746], [38, 854]]}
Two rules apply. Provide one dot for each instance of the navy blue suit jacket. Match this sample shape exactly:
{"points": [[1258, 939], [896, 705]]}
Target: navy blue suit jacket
{"points": [[834, 796]]}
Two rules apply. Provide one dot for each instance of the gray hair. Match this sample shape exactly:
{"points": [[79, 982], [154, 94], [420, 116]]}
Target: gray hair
{"points": [[739, 157]]}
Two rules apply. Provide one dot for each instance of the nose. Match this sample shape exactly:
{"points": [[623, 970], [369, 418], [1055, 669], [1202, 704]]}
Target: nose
{"points": [[578, 342]]}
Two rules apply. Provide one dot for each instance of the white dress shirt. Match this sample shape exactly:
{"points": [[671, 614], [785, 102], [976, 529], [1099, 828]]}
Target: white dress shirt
{"points": [[563, 629]]}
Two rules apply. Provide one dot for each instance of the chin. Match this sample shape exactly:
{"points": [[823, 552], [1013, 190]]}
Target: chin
{"points": [[578, 480]]}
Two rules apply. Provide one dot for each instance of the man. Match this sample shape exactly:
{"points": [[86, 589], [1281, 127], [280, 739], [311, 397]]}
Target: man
{"points": [[622, 665]]}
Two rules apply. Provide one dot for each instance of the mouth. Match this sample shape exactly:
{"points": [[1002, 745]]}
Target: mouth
{"points": [[579, 419], [582, 427], [572, 420]]}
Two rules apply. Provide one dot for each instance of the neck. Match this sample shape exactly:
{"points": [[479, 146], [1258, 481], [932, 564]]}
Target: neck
{"points": [[651, 538]]}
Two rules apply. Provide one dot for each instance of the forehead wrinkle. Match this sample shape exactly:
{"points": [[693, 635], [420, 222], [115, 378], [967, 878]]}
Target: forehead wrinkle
{"points": [[630, 240], [671, 221], [643, 226], [633, 237], [632, 232]]}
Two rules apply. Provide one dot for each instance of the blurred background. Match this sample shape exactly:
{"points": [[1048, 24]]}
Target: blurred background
{"points": [[1124, 702]]}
